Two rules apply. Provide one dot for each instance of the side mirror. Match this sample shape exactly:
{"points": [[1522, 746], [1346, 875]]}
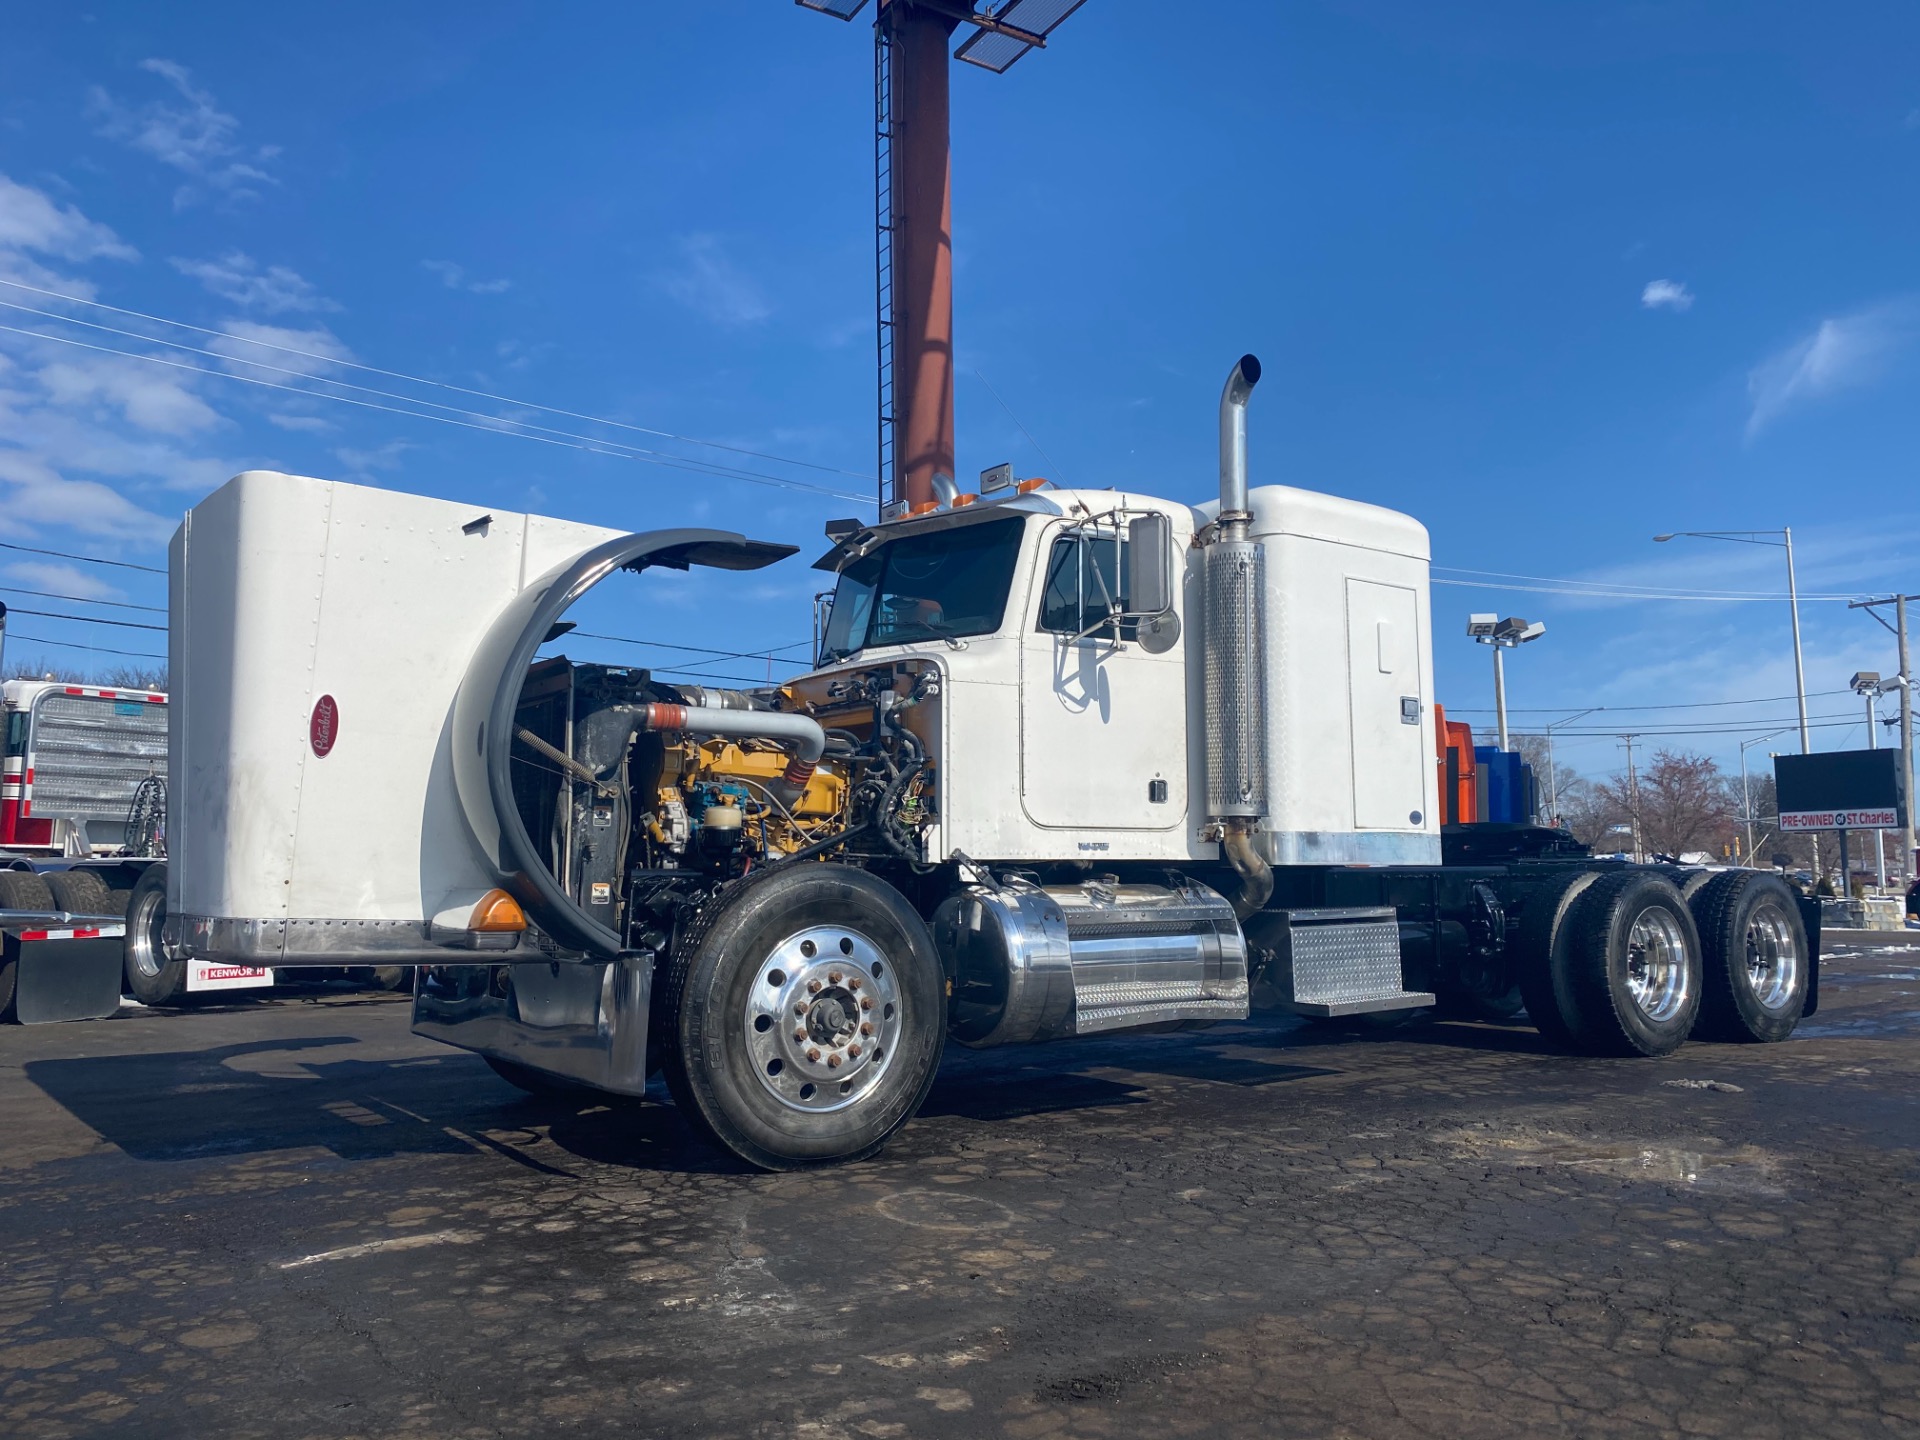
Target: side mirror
{"points": [[1149, 565]]}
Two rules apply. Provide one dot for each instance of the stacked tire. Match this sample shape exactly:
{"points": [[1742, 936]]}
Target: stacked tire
{"points": [[19, 890], [1624, 962]]}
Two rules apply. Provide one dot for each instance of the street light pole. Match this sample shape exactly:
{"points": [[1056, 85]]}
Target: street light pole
{"points": [[1502, 635], [1500, 691], [1871, 694], [1756, 537], [1909, 860], [1553, 773], [1799, 666], [1746, 793]]}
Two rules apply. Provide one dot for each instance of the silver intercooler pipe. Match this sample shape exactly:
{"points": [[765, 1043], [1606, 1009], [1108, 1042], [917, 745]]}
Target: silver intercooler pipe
{"points": [[1236, 680], [801, 735]]}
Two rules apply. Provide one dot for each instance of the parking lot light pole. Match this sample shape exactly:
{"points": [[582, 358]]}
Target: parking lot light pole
{"points": [[1502, 635]]}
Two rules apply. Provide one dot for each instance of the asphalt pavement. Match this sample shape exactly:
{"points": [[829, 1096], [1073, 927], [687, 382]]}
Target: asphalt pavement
{"points": [[290, 1218]]}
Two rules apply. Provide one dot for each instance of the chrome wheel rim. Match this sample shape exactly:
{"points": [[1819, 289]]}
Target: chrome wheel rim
{"points": [[143, 935], [822, 1018], [1658, 976], [1773, 957]]}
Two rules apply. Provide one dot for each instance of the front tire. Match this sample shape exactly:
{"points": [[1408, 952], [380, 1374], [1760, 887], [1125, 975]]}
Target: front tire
{"points": [[804, 1016], [1758, 963], [152, 978]]}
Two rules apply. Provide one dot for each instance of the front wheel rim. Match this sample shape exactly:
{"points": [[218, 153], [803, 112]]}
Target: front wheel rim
{"points": [[822, 1019], [1659, 977], [1772, 958]]}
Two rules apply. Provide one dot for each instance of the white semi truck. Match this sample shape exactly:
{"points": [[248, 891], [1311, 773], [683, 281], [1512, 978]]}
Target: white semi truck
{"points": [[1070, 762]]}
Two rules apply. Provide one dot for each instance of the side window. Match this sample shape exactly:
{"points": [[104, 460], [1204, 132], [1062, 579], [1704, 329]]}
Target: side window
{"points": [[1086, 577]]}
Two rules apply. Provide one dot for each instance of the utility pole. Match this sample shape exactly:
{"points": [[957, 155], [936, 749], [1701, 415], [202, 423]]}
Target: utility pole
{"points": [[1633, 799]]}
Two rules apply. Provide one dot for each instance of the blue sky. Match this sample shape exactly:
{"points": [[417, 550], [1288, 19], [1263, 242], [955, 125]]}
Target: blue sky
{"points": [[1550, 278]]}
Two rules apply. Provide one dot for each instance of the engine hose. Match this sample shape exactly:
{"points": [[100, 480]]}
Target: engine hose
{"points": [[839, 837], [1256, 876]]}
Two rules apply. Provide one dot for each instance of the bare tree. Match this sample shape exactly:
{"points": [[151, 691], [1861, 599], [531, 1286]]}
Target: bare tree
{"points": [[117, 677], [1684, 804]]}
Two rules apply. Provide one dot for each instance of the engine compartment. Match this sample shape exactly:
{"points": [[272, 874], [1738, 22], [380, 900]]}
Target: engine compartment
{"points": [[635, 805]]}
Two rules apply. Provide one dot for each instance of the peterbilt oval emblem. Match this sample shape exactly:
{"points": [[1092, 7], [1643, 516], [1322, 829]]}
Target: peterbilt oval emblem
{"points": [[324, 728]]}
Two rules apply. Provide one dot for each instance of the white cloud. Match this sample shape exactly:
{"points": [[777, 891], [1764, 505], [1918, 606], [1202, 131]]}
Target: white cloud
{"points": [[306, 424], [454, 277], [363, 463], [1840, 354], [30, 220], [310, 351], [1667, 295], [33, 493], [61, 580], [238, 278], [193, 135], [146, 398], [708, 283]]}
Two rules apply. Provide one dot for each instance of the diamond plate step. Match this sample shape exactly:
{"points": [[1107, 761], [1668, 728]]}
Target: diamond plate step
{"points": [[1345, 962]]}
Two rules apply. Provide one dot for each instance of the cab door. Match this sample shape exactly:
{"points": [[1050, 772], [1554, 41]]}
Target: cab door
{"points": [[1103, 722]]}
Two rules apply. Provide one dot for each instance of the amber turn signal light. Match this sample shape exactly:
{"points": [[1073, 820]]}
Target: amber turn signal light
{"points": [[496, 912]]}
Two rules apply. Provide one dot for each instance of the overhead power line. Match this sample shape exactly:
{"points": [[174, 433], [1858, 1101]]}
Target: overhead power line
{"points": [[70, 645], [1619, 589], [417, 379], [1701, 598], [526, 429], [494, 427], [83, 559], [1618, 709], [87, 619], [81, 600]]}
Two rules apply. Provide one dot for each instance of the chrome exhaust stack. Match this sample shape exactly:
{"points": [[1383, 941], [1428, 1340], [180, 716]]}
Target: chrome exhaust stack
{"points": [[1235, 647]]}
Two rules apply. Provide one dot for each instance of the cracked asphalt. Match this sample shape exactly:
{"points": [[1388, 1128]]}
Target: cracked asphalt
{"points": [[290, 1218]]}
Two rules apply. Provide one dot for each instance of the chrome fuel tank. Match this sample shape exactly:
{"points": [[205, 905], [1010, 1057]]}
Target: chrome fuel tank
{"points": [[1037, 962]]}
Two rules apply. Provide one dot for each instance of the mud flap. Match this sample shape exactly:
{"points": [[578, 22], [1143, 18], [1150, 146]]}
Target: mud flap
{"points": [[65, 974], [1810, 917]]}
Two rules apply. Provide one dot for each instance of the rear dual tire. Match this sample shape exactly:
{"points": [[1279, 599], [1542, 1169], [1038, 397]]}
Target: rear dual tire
{"points": [[1758, 962], [1612, 964]]}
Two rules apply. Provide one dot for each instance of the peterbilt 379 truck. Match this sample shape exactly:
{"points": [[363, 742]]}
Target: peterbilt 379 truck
{"points": [[1069, 762]]}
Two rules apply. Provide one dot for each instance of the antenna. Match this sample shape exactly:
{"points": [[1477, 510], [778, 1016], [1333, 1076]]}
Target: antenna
{"points": [[913, 212]]}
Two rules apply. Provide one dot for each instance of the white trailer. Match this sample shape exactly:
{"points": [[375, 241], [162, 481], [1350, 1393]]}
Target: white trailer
{"points": [[1070, 762]]}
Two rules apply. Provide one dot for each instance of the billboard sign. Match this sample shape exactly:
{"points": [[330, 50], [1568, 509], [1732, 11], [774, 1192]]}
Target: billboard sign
{"points": [[1841, 790]]}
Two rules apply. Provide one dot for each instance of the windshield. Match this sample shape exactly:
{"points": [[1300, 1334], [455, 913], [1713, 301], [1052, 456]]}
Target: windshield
{"points": [[937, 586]]}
